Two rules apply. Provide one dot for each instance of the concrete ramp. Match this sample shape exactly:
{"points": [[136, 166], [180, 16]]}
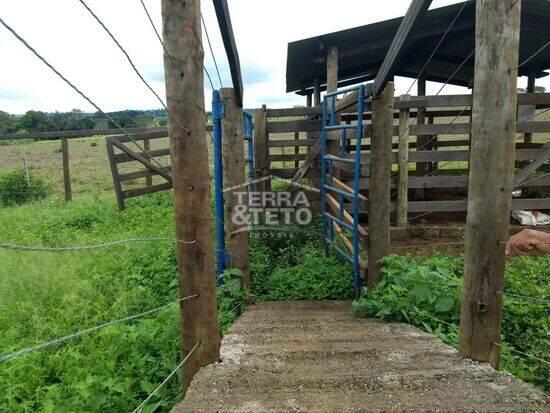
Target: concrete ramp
{"points": [[316, 357]]}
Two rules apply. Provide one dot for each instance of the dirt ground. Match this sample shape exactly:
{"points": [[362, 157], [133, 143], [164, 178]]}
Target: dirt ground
{"points": [[316, 357]]}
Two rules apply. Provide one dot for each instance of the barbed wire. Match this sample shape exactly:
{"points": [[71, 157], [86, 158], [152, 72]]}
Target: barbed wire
{"points": [[170, 57], [91, 102], [438, 45], [89, 247], [532, 56], [114, 39], [89, 330], [161, 385], [211, 52], [525, 297], [522, 353]]}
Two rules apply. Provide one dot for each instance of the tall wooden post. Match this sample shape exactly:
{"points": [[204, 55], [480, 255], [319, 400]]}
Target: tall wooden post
{"points": [[379, 193], [333, 146], [403, 161], [193, 212], [66, 170], [147, 147], [421, 168], [531, 80], [317, 93], [234, 175], [491, 176], [261, 149]]}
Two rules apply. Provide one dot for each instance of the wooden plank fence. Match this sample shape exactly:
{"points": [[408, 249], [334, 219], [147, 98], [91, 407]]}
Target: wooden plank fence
{"points": [[290, 134]]}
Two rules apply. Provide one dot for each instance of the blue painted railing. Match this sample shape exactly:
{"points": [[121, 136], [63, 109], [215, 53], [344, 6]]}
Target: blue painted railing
{"points": [[222, 258], [327, 180]]}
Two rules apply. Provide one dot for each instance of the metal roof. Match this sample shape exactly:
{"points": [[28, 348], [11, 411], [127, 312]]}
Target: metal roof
{"points": [[362, 49]]}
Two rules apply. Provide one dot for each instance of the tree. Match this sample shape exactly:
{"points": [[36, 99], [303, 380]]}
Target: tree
{"points": [[36, 121]]}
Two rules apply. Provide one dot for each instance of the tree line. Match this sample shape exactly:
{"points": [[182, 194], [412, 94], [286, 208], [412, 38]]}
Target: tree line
{"points": [[37, 121]]}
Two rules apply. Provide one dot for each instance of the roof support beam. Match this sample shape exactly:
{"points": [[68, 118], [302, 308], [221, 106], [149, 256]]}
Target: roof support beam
{"points": [[224, 20], [417, 10]]}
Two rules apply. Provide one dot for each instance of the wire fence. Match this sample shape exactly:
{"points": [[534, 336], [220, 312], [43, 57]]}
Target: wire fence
{"points": [[89, 330]]}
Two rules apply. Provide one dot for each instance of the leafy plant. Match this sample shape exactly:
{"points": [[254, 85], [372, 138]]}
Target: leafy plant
{"points": [[15, 190], [316, 278], [427, 293]]}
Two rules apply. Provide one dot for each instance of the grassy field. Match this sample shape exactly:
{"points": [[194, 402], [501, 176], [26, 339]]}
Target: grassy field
{"points": [[48, 295]]}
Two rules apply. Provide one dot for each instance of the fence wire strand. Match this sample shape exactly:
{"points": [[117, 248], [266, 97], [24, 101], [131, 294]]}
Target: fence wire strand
{"points": [[16, 247], [166, 380], [89, 330], [523, 353], [91, 102]]}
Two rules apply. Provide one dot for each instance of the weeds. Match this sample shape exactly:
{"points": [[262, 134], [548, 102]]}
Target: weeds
{"points": [[15, 190]]}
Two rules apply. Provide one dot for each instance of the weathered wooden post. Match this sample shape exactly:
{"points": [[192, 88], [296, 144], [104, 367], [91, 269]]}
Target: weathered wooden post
{"points": [[26, 172], [491, 177], [403, 161], [531, 80], [193, 213], [147, 147], [234, 176], [261, 149], [333, 146], [316, 92], [66, 170], [379, 193], [421, 168]]}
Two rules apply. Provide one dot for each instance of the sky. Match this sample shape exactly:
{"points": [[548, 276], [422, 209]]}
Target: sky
{"points": [[64, 33]]}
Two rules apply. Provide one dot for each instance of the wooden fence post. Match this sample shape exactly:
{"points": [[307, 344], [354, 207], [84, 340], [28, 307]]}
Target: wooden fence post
{"points": [[491, 177], [147, 147], [316, 92], [333, 146], [531, 82], [403, 160], [379, 193], [191, 182], [421, 139], [66, 170], [234, 175], [261, 148]]}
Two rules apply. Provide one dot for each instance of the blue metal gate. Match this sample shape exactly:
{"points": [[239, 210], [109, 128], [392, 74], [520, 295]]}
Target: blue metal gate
{"points": [[330, 185]]}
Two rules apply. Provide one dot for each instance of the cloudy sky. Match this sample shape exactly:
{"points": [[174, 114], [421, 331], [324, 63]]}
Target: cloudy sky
{"points": [[72, 41]]}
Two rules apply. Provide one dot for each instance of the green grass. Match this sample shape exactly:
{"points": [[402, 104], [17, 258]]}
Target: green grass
{"points": [[47, 295]]}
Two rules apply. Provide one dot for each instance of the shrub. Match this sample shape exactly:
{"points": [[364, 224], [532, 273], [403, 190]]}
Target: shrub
{"points": [[15, 191], [427, 293], [316, 277]]}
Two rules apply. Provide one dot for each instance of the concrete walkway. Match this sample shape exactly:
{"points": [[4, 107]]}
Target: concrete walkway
{"points": [[316, 357]]}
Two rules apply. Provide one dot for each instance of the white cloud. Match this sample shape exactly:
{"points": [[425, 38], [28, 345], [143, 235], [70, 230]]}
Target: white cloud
{"points": [[68, 36]]}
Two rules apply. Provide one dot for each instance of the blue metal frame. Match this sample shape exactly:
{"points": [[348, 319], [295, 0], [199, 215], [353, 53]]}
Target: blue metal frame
{"points": [[217, 116], [329, 124], [249, 138]]}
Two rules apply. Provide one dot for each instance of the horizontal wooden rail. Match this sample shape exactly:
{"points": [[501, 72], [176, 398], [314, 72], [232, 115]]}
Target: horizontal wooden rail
{"points": [[139, 174], [131, 193], [462, 205], [73, 134], [124, 157], [291, 143], [436, 181]]}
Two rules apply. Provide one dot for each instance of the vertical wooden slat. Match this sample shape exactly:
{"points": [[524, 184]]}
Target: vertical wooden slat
{"points": [[421, 139], [261, 148], [114, 172], [403, 161], [147, 147], [531, 80], [491, 177], [379, 194]]}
